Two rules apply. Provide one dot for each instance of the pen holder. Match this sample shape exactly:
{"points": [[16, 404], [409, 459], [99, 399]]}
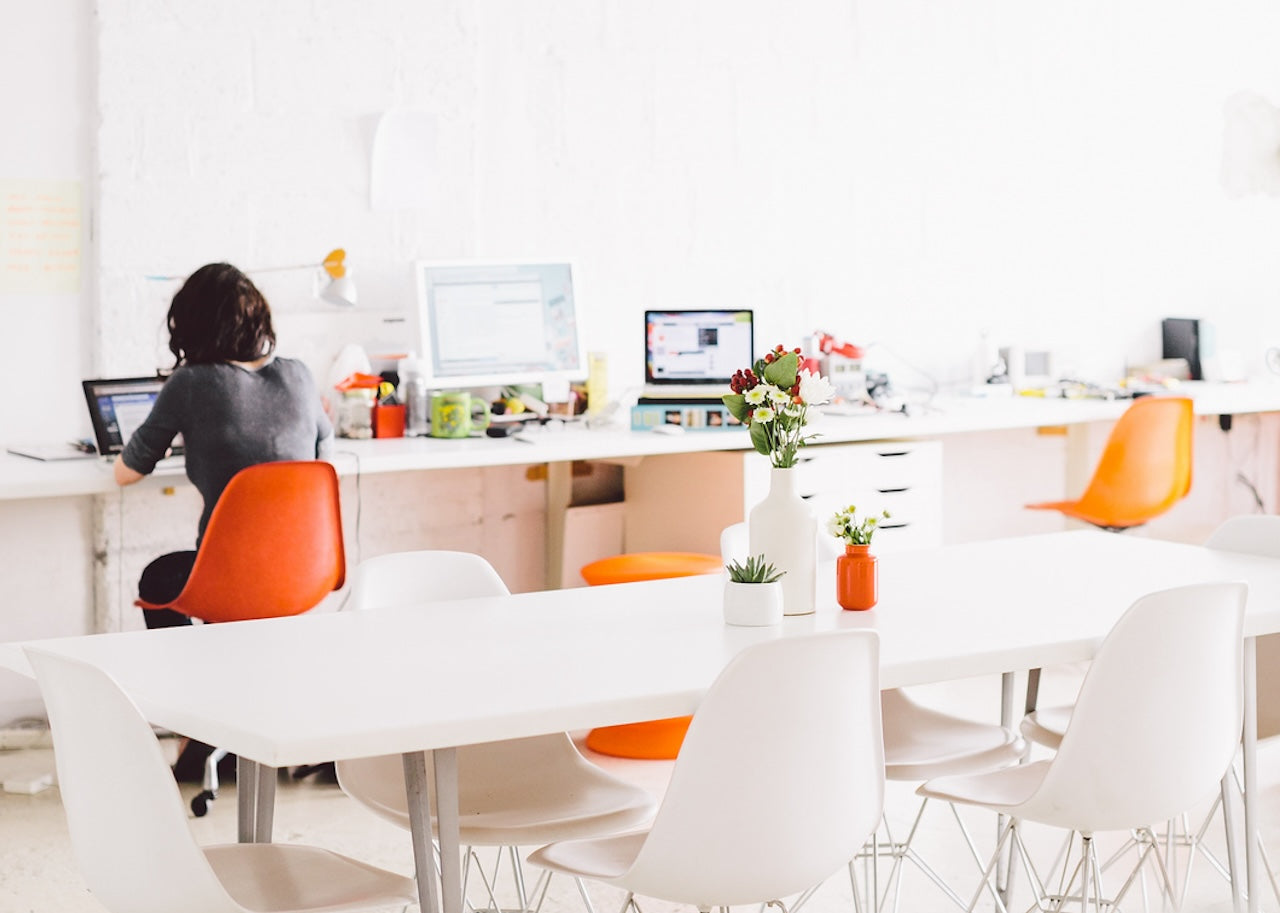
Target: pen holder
{"points": [[388, 421]]}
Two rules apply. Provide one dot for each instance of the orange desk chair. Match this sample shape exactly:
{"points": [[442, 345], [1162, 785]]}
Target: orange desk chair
{"points": [[273, 547], [655, 740], [1145, 467]]}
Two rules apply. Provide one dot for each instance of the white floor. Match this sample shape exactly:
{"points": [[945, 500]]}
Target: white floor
{"points": [[38, 872]]}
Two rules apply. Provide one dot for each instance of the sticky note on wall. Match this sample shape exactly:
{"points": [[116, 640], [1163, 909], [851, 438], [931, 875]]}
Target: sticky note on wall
{"points": [[40, 236]]}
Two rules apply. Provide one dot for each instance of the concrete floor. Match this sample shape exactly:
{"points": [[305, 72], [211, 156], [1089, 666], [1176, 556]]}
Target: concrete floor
{"points": [[39, 875]]}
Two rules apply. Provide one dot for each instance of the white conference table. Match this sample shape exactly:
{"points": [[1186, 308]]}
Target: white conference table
{"points": [[285, 692]]}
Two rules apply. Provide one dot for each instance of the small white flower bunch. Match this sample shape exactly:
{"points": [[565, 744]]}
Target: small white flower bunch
{"points": [[844, 524]]}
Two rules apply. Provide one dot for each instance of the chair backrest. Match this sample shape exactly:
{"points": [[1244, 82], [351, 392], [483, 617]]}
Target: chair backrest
{"points": [[127, 821], [1258, 534], [489, 774], [1145, 467], [733, 542], [780, 778], [273, 545], [1159, 713], [408, 578], [1250, 534]]}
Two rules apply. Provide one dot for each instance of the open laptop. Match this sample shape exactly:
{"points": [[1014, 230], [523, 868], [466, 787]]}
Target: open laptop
{"points": [[117, 407], [692, 354]]}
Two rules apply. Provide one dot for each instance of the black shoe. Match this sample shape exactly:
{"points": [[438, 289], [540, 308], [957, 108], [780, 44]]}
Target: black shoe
{"points": [[189, 767], [325, 774]]}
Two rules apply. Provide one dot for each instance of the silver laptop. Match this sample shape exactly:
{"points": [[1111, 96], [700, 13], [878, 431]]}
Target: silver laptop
{"points": [[117, 407], [692, 354]]}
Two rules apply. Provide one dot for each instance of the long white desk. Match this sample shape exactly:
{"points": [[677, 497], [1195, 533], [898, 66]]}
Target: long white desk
{"points": [[21, 477], [404, 680], [559, 448]]}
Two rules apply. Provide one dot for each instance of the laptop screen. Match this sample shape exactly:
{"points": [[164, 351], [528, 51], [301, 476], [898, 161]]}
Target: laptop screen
{"points": [[117, 407], [696, 347]]}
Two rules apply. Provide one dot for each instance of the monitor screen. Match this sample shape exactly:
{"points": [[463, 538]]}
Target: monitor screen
{"points": [[696, 347], [493, 324]]}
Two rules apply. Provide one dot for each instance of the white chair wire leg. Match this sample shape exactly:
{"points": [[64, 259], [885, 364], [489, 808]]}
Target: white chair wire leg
{"points": [[529, 901], [1080, 881], [904, 851]]}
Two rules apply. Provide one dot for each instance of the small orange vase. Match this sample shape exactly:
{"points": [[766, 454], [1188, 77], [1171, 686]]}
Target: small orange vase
{"points": [[857, 578]]}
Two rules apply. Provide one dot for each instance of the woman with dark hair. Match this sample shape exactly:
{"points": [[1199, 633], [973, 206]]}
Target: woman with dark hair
{"points": [[233, 402]]}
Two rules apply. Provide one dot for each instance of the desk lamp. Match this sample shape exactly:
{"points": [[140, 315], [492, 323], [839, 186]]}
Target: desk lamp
{"points": [[338, 288]]}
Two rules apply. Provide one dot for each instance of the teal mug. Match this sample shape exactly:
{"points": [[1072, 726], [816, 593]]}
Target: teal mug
{"points": [[457, 414]]}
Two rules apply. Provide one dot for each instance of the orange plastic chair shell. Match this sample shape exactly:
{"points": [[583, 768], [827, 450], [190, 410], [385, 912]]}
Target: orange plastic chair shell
{"points": [[273, 546], [649, 566], [653, 740], [1144, 470]]}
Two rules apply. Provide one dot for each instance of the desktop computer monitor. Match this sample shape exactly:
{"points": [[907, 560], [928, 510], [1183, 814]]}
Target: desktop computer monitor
{"points": [[496, 324]]}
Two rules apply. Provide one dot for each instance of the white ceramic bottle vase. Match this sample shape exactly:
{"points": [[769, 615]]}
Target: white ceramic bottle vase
{"points": [[784, 529]]}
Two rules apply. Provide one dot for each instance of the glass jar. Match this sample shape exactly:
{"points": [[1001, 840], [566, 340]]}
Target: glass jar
{"points": [[355, 413], [415, 396]]}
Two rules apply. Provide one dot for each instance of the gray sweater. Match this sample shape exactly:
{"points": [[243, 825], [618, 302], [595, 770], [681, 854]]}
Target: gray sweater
{"points": [[230, 418]]}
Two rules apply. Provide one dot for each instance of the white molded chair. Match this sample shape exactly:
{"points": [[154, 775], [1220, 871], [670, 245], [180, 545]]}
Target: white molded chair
{"points": [[1156, 724], [778, 783], [919, 743], [510, 793], [1250, 534], [129, 826]]}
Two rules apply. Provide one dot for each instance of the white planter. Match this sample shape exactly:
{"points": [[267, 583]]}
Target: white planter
{"points": [[783, 528], [752, 604]]}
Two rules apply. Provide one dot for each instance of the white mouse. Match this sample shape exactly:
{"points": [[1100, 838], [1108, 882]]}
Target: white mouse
{"points": [[668, 429]]}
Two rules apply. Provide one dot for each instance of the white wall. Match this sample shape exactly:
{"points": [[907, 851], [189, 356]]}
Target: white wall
{"points": [[46, 78], [906, 173]]}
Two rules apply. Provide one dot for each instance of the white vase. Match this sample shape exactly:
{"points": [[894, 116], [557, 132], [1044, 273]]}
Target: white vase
{"points": [[752, 603], [783, 528]]}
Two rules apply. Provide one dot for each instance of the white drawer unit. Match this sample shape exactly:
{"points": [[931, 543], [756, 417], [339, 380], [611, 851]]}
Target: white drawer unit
{"points": [[682, 502], [902, 477]]}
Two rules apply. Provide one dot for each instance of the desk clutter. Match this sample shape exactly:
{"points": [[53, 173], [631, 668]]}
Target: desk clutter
{"points": [[698, 415]]}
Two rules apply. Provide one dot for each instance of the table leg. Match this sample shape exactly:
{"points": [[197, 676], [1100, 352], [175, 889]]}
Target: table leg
{"points": [[266, 803], [255, 801], [559, 494], [1249, 760], [446, 769], [415, 784], [1004, 865], [246, 799]]}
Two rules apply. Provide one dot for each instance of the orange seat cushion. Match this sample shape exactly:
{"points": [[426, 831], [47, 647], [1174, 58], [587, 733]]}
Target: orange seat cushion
{"points": [[652, 740], [649, 566]]}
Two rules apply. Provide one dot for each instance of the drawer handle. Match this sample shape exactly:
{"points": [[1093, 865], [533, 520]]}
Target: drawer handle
{"points": [[892, 491], [893, 453], [893, 526]]}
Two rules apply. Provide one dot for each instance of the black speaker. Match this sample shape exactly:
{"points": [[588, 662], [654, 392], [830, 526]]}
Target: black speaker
{"points": [[1182, 338]]}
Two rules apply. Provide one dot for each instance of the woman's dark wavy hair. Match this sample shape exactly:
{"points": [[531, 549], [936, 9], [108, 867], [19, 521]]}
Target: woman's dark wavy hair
{"points": [[219, 315]]}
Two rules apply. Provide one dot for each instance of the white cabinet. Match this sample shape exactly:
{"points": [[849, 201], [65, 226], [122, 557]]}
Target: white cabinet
{"points": [[681, 502], [902, 477]]}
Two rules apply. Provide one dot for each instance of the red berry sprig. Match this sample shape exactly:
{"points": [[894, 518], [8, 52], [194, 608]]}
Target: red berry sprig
{"points": [[743, 380]]}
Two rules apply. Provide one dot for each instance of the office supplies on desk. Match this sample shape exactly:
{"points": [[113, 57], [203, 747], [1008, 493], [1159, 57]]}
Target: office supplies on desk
{"points": [[458, 414], [694, 415], [118, 406]]}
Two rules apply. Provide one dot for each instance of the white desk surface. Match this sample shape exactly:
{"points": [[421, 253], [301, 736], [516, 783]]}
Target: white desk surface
{"points": [[21, 477], [299, 690]]}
